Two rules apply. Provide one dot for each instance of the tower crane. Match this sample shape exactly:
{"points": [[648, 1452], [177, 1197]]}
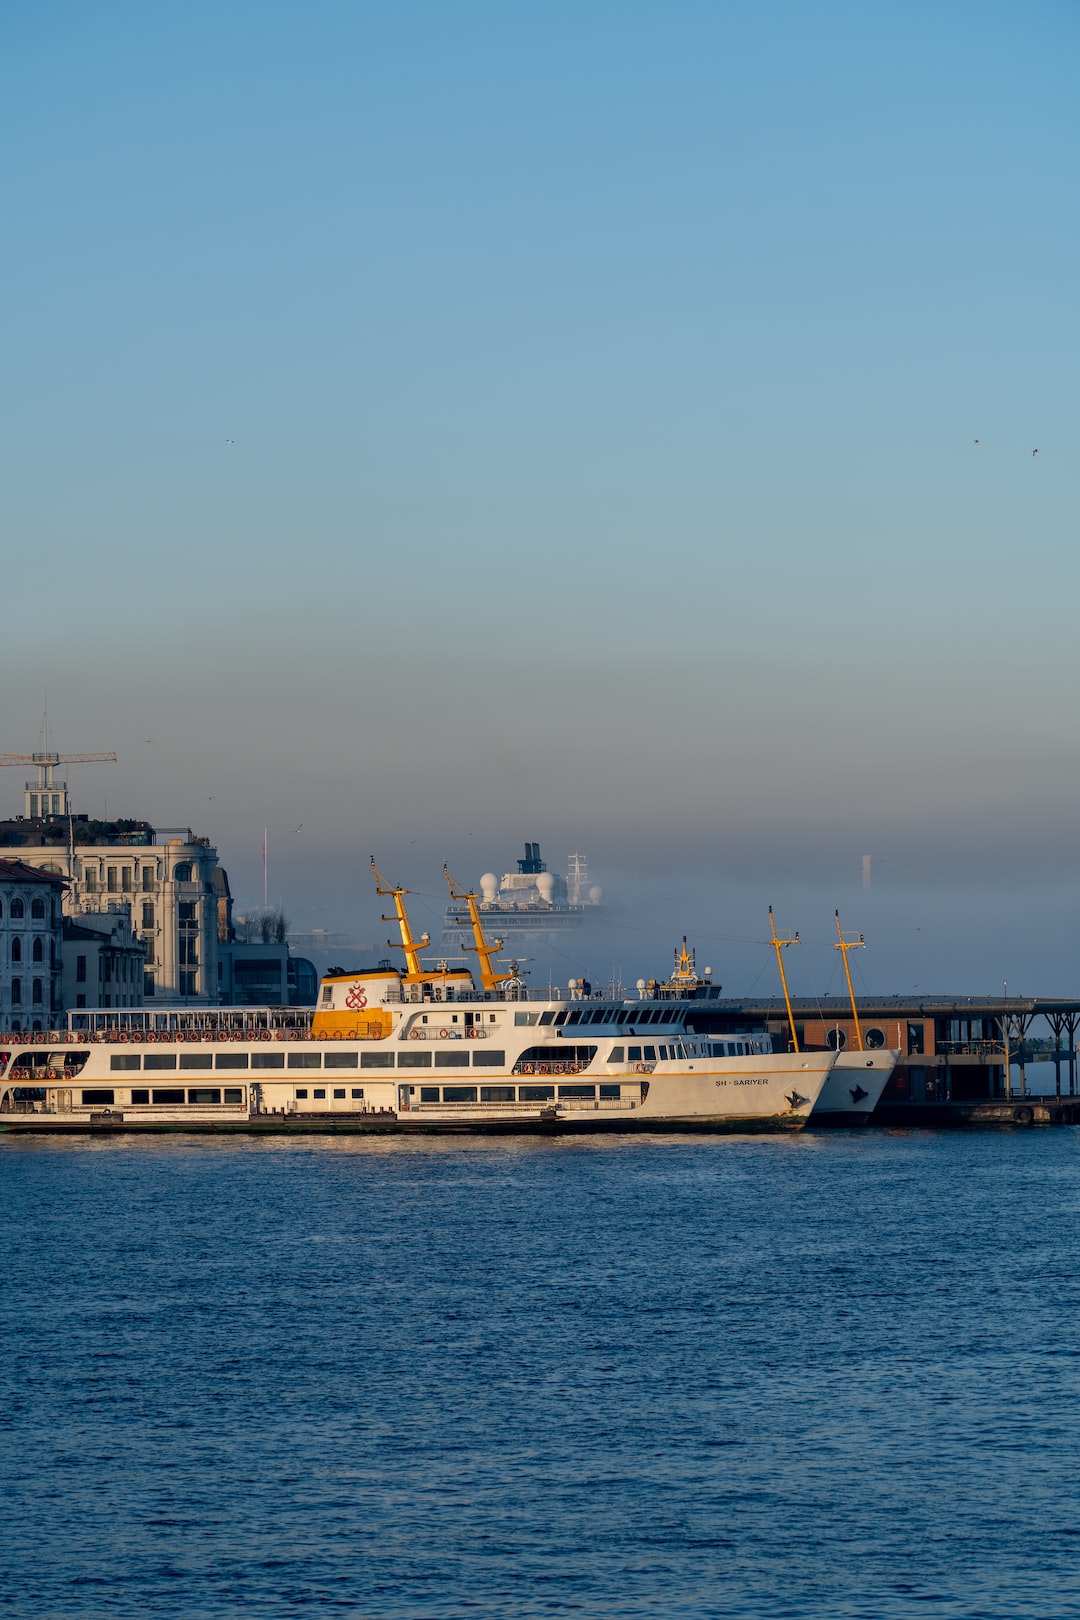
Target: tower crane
{"points": [[45, 764]]}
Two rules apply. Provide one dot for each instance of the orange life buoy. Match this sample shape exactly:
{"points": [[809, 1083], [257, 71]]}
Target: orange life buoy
{"points": [[444, 1034], [414, 1034], [472, 1031], [556, 1068], [641, 1068], [279, 1034], [123, 1037], [264, 1035], [294, 1035], [541, 1068], [526, 1068], [150, 1035], [136, 1035]]}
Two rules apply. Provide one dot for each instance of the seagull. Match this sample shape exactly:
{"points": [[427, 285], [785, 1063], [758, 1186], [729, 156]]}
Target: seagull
{"points": [[1034, 452], [230, 441], [297, 829], [976, 441]]}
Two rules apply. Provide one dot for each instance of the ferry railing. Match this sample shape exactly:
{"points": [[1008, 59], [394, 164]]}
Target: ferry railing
{"points": [[976, 1048]]}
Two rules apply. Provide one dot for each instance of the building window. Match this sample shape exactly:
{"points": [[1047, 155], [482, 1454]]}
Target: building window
{"points": [[38, 951], [148, 914], [148, 877], [18, 909], [148, 947], [111, 883], [37, 992], [90, 880], [37, 909], [182, 873], [16, 950], [125, 879], [80, 1001], [187, 984], [148, 984], [16, 992]]}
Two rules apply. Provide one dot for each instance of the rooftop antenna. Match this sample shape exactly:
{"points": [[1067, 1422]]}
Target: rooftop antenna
{"points": [[778, 946], [844, 946]]}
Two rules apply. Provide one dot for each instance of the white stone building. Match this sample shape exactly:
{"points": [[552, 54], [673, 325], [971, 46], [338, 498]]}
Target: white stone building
{"points": [[104, 961], [164, 877]]}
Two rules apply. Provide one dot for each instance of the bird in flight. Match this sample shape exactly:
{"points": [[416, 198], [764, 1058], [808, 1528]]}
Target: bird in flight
{"points": [[1034, 452], [976, 441], [230, 441]]}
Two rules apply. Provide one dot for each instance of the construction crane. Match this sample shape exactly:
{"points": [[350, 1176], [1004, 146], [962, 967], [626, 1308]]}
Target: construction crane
{"points": [[45, 764]]}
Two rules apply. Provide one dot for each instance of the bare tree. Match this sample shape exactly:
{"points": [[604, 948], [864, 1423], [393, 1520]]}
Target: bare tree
{"points": [[273, 926]]}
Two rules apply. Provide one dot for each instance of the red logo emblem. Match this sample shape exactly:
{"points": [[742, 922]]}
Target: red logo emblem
{"points": [[356, 998]]}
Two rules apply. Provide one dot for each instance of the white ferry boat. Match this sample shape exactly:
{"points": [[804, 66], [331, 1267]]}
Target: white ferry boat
{"points": [[415, 1049]]}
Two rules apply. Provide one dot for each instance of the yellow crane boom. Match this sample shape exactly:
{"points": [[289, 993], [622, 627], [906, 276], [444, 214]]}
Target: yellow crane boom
{"points": [[412, 947], [484, 952], [48, 760], [844, 946], [778, 945]]}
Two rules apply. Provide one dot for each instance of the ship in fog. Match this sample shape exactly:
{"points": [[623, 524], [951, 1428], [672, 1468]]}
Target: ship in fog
{"points": [[531, 904]]}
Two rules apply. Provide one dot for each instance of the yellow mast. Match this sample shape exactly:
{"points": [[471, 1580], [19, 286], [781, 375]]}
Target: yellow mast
{"points": [[484, 952], [778, 945], [844, 946], [412, 947]]}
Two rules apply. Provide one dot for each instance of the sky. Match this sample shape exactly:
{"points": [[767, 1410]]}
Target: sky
{"points": [[430, 427]]}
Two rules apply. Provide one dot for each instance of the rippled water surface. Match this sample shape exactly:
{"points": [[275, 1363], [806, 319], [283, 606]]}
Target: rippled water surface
{"points": [[830, 1375]]}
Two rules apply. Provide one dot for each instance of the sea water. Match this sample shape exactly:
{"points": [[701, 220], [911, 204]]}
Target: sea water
{"points": [[824, 1375]]}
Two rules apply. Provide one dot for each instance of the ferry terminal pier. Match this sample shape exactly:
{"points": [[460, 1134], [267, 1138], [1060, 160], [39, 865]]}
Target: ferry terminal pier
{"points": [[964, 1060]]}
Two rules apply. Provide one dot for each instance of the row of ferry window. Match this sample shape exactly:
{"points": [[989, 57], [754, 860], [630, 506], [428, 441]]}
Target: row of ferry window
{"points": [[499, 1094], [103, 1097], [123, 1062], [600, 1015]]}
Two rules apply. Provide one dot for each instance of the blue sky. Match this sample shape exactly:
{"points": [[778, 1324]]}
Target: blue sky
{"points": [[604, 381]]}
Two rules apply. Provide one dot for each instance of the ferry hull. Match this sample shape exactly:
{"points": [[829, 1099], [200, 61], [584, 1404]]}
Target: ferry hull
{"points": [[853, 1089], [764, 1093]]}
